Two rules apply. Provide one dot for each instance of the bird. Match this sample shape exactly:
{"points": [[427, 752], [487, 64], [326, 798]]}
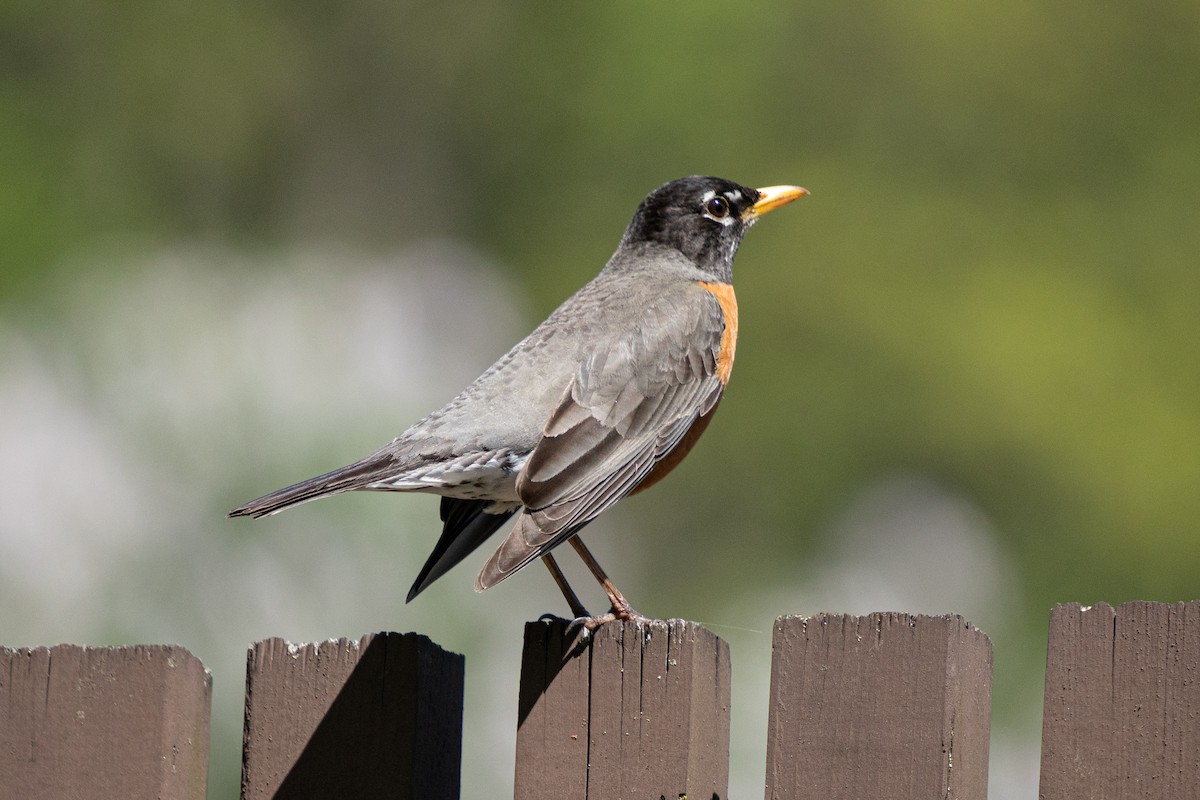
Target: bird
{"points": [[600, 401]]}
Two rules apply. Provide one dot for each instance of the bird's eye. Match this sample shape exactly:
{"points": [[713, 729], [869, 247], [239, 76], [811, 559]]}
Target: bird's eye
{"points": [[717, 207]]}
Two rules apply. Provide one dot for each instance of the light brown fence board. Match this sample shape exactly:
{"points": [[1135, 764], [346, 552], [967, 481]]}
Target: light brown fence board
{"points": [[1122, 702], [882, 706], [637, 711], [127, 722]]}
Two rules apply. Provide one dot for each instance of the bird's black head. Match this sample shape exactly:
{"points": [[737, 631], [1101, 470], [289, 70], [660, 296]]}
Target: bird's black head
{"points": [[704, 218]]}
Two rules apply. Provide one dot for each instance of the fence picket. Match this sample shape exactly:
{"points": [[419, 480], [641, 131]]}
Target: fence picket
{"points": [[882, 706], [129, 722], [376, 717], [1122, 704], [637, 711]]}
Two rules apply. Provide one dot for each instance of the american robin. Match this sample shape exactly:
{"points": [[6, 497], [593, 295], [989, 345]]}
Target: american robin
{"points": [[601, 401]]}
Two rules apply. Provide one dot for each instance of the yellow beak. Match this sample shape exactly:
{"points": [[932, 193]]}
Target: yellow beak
{"points": [[772, 197]]}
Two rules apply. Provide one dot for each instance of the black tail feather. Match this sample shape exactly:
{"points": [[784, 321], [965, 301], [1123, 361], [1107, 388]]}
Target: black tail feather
{"points": [[466, 526]]}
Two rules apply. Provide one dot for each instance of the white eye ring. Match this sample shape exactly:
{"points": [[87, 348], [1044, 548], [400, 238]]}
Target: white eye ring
{"points": [[716, 207]]}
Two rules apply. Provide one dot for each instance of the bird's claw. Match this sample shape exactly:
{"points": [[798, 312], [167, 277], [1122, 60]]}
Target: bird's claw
{"points": [[589, 623], [580, 625]]}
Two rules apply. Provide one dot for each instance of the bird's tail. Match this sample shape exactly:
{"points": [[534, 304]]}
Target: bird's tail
{"points": [[353, 476]]}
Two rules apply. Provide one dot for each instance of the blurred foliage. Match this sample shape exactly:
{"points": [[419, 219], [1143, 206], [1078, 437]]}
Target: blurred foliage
{"points": [[994, 282]]}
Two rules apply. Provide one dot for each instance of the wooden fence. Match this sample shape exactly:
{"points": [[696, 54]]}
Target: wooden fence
{"points": [[881, 706]]}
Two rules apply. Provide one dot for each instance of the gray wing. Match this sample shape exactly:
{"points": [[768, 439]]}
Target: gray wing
{"points": [[628, 406]]}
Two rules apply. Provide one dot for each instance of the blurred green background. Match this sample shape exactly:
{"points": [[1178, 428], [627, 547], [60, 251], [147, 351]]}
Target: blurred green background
{"points": [[243, 244]]}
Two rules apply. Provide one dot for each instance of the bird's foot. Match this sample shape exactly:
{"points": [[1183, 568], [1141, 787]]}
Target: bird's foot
{"points": [[622, 610], [591, 622], [625, 613]]}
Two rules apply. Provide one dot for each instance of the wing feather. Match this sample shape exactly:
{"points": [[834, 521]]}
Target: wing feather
{"points": [[628, 406]]}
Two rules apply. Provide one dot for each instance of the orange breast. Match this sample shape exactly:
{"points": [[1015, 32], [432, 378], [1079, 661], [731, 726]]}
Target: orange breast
{"points": [[725, 296]]}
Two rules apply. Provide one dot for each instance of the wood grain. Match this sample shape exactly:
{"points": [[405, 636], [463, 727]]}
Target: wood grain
{"points": [[128, 722], [886, 705], [637, 711], [380, 716], [1122, 704]]}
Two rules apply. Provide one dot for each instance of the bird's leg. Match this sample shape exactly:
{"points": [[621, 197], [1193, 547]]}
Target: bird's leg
{"points": [[577, 608], [621, 609]]}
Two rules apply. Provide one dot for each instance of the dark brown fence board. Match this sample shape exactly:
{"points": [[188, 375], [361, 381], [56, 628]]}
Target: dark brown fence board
{"points": [[638, 711], [128, 722], [1122, 703], [883, 706], [376, 717], [552, 726]]}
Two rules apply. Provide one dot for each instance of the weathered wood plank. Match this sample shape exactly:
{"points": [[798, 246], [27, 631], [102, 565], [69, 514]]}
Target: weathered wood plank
{"points": [[377, 717], [637, 711], [552, 727], [882, 706], [1122, 704], [128, 722]]}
